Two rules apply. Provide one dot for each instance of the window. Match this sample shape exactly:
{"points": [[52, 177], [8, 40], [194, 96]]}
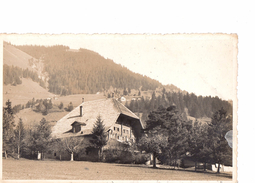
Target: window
{"points": [[118, 129], [114, 128], [127, 131], [124, 131], [55, 154]]}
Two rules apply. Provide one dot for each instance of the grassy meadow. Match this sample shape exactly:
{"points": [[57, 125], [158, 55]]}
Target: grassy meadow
{"points": [[80, 170]]}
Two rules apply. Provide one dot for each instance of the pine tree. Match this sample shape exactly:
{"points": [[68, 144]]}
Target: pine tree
{"points": [[168, 123], [165, 134], [99, 136], [177, 129], [8, 128]]}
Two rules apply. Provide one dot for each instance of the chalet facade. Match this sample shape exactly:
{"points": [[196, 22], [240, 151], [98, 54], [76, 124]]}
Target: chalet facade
{"points": [[121, 124]]}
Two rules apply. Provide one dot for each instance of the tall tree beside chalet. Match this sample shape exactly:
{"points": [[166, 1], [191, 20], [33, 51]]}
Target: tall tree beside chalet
{"points": [[99, 137], [165, 134]]}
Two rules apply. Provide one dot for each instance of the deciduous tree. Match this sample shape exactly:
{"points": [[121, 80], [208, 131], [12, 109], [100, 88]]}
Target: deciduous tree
{"points": [[73, 145], [19, 137], [217, 129], [153, 143], [39, 138]]}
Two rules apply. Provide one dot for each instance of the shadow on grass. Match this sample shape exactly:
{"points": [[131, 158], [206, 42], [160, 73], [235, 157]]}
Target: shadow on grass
{"points": [[208, 172]]}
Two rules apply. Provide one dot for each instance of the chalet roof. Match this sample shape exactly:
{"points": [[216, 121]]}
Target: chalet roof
{"points": [[109, 110]]}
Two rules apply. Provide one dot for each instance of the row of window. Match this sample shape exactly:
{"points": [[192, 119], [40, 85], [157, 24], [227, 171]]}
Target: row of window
{"points": [[118, 129], [118, 137]]}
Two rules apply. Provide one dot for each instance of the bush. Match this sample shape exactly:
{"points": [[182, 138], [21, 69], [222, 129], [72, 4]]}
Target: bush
{"points": [[141, 158], [61, 105], [117, 156], [69, 107], [124, 157]]}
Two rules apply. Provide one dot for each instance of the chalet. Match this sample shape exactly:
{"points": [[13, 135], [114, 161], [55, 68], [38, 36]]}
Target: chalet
{"points": [[121, 124]]}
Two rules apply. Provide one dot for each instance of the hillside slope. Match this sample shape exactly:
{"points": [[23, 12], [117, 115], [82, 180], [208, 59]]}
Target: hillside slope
{"points": [[21, 94], [85, 71], [31, 118], [13, 56], [16, 57]]}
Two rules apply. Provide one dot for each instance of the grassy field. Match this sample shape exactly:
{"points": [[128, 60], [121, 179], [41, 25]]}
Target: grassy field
{"points": [[30, 117], [81, 170], [21, 94]]}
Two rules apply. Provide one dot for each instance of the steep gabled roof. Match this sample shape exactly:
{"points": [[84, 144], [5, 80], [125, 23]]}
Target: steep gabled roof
{"points": [[123, 110], [108, 109]]}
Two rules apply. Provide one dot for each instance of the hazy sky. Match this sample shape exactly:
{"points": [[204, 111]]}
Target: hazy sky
{"points": [[202, 64]]}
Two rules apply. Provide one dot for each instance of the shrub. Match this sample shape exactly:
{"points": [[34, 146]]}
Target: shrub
{"points": [[117, 156], [69, 107], [111, 155], [141, 158], [61, 105], [125, 157]]}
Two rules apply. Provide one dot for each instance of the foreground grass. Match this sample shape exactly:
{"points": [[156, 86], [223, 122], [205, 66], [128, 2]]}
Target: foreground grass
{"points": [[81, 170]]}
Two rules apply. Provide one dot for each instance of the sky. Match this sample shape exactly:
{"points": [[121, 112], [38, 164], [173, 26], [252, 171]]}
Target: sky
{"points": [[204, 64]]}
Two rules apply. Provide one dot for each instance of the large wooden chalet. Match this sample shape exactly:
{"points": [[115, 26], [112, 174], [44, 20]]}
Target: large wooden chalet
{"points": [[121, 124]]}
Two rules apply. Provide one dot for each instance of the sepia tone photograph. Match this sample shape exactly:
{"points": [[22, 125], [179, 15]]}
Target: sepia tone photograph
{"points": [[119, 107]]}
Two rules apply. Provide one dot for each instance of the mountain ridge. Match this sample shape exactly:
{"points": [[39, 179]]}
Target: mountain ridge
{"points": [[85, 71]]}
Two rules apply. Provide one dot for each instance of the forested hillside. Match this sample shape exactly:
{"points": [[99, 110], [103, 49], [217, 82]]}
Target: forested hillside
{"points": [[187, 104], [84, 71], [12, 75]]}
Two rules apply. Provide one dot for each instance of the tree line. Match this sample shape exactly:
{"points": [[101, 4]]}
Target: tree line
{"points": [[13, 75], [187, 104], [85, 71], [170, 138]]}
